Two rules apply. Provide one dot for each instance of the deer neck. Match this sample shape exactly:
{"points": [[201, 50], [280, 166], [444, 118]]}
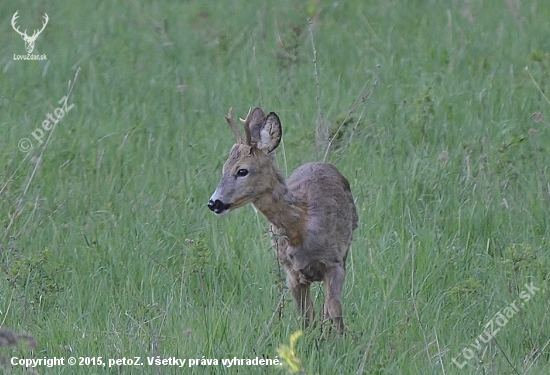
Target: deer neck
{"points": [[283, 209]]}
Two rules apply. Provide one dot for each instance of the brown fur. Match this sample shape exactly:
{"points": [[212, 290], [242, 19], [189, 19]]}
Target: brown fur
{"points": [[313, 214]]}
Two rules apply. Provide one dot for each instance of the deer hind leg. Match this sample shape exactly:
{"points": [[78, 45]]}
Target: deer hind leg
{"points": [[302, 296], [334, 282]]}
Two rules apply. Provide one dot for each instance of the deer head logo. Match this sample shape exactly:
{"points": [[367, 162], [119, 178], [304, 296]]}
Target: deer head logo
{"points": [[29, 40]]}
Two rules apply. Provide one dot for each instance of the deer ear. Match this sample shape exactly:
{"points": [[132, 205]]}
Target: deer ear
{"points": [[257, 120], [270, 133]]}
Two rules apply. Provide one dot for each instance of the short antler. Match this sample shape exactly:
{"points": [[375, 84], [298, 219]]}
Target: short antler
{"points": [[246, 125], [231, 123]]}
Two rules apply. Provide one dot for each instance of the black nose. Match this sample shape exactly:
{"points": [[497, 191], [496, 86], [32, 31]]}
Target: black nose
{"points": [[217, 206]]}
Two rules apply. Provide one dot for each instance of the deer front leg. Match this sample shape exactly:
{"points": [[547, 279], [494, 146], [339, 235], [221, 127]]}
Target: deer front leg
{"points": [[302, 296], [334, 282]]}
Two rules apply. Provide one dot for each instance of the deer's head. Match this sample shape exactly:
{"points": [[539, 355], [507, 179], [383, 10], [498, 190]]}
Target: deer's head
{"points": [[246, 173], [29, 40]]}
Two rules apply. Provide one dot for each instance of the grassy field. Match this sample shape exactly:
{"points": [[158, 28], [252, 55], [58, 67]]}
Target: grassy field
{"points": [[108, 249]]}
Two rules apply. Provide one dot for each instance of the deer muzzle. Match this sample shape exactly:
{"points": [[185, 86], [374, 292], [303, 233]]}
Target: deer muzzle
{"points": [[218, 207]]}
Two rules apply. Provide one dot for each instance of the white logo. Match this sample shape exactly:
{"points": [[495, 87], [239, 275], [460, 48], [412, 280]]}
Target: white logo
{"points": [[29, 40]]}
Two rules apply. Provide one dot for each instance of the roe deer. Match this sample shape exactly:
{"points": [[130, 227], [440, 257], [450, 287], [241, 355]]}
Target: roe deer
{"points": [[314, 214]]}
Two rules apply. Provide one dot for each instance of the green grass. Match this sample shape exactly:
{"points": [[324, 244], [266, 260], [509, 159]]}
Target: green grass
{"points": [[108, 248]]}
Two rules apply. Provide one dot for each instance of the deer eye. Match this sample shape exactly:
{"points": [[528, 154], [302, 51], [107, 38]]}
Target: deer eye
{"points": [[242, 172]]}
